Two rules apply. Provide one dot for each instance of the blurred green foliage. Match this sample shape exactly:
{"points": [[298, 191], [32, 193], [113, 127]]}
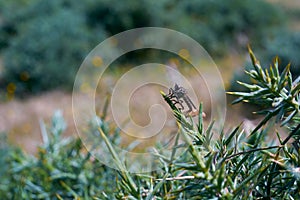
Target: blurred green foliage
{"points": [[62, 169], [283, 44], [223, 26], [44, 42], [49, 42]]}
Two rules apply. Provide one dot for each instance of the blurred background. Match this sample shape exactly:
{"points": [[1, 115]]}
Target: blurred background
{"points": [[43, 43]]}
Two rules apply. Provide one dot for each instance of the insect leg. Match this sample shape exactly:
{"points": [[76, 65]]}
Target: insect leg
{"points": [[177, 101]]}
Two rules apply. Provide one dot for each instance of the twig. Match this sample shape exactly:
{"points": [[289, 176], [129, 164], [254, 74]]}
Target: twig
{"points": [[252, 150], [178, 178], [291, 135]]}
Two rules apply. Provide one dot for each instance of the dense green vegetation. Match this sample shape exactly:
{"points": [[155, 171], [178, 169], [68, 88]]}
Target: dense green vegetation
{"points": [[62, 169], [235, 165], [229, 166], [43, 43], [285, 45]]}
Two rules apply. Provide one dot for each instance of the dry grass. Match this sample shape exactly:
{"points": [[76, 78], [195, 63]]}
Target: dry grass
{"points": [[20, 119]]}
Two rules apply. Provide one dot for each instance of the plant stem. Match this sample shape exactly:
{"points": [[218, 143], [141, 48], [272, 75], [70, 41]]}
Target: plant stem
{"points": [[252, 150], [291, 135]]}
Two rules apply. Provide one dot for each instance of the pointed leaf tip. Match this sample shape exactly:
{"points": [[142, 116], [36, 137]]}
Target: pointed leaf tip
{"points": [[252, 56]]}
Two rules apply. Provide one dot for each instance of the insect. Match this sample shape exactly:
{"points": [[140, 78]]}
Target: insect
{"points": [[178, 95]]}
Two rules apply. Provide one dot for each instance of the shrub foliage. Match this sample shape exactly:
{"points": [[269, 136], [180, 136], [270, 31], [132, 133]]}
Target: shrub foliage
{"points": [[233, 166], [229, 165], [62, 169], [44, 42]]}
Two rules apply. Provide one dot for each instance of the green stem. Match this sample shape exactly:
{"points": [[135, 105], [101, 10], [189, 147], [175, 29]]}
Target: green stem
{"points": [[291, 135], [251, 151], [277, 154]]}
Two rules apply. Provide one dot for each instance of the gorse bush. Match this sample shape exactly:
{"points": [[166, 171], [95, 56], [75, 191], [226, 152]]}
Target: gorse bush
{"points": [[62, 169], [212, 165], [283, 44], [235, 165]]}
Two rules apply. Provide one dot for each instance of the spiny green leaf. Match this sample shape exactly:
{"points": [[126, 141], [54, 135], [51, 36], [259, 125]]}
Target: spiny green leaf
{"points": [[288, 118], [157, 187], [119, 164], [231, 135], [238, 100], [296, 89], [247, 180], [252, 56], [200, 119], [250, 86], [221, 178], [283, 77]]}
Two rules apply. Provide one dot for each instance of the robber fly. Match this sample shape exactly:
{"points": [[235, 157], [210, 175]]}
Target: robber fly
{"points": [[178, 96]]}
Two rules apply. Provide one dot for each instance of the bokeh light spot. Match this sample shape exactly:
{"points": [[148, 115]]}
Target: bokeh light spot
{"points": [[24, 76], [175, 61], [97, 61], [11, 88], [184, 53], [85, 87]]}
